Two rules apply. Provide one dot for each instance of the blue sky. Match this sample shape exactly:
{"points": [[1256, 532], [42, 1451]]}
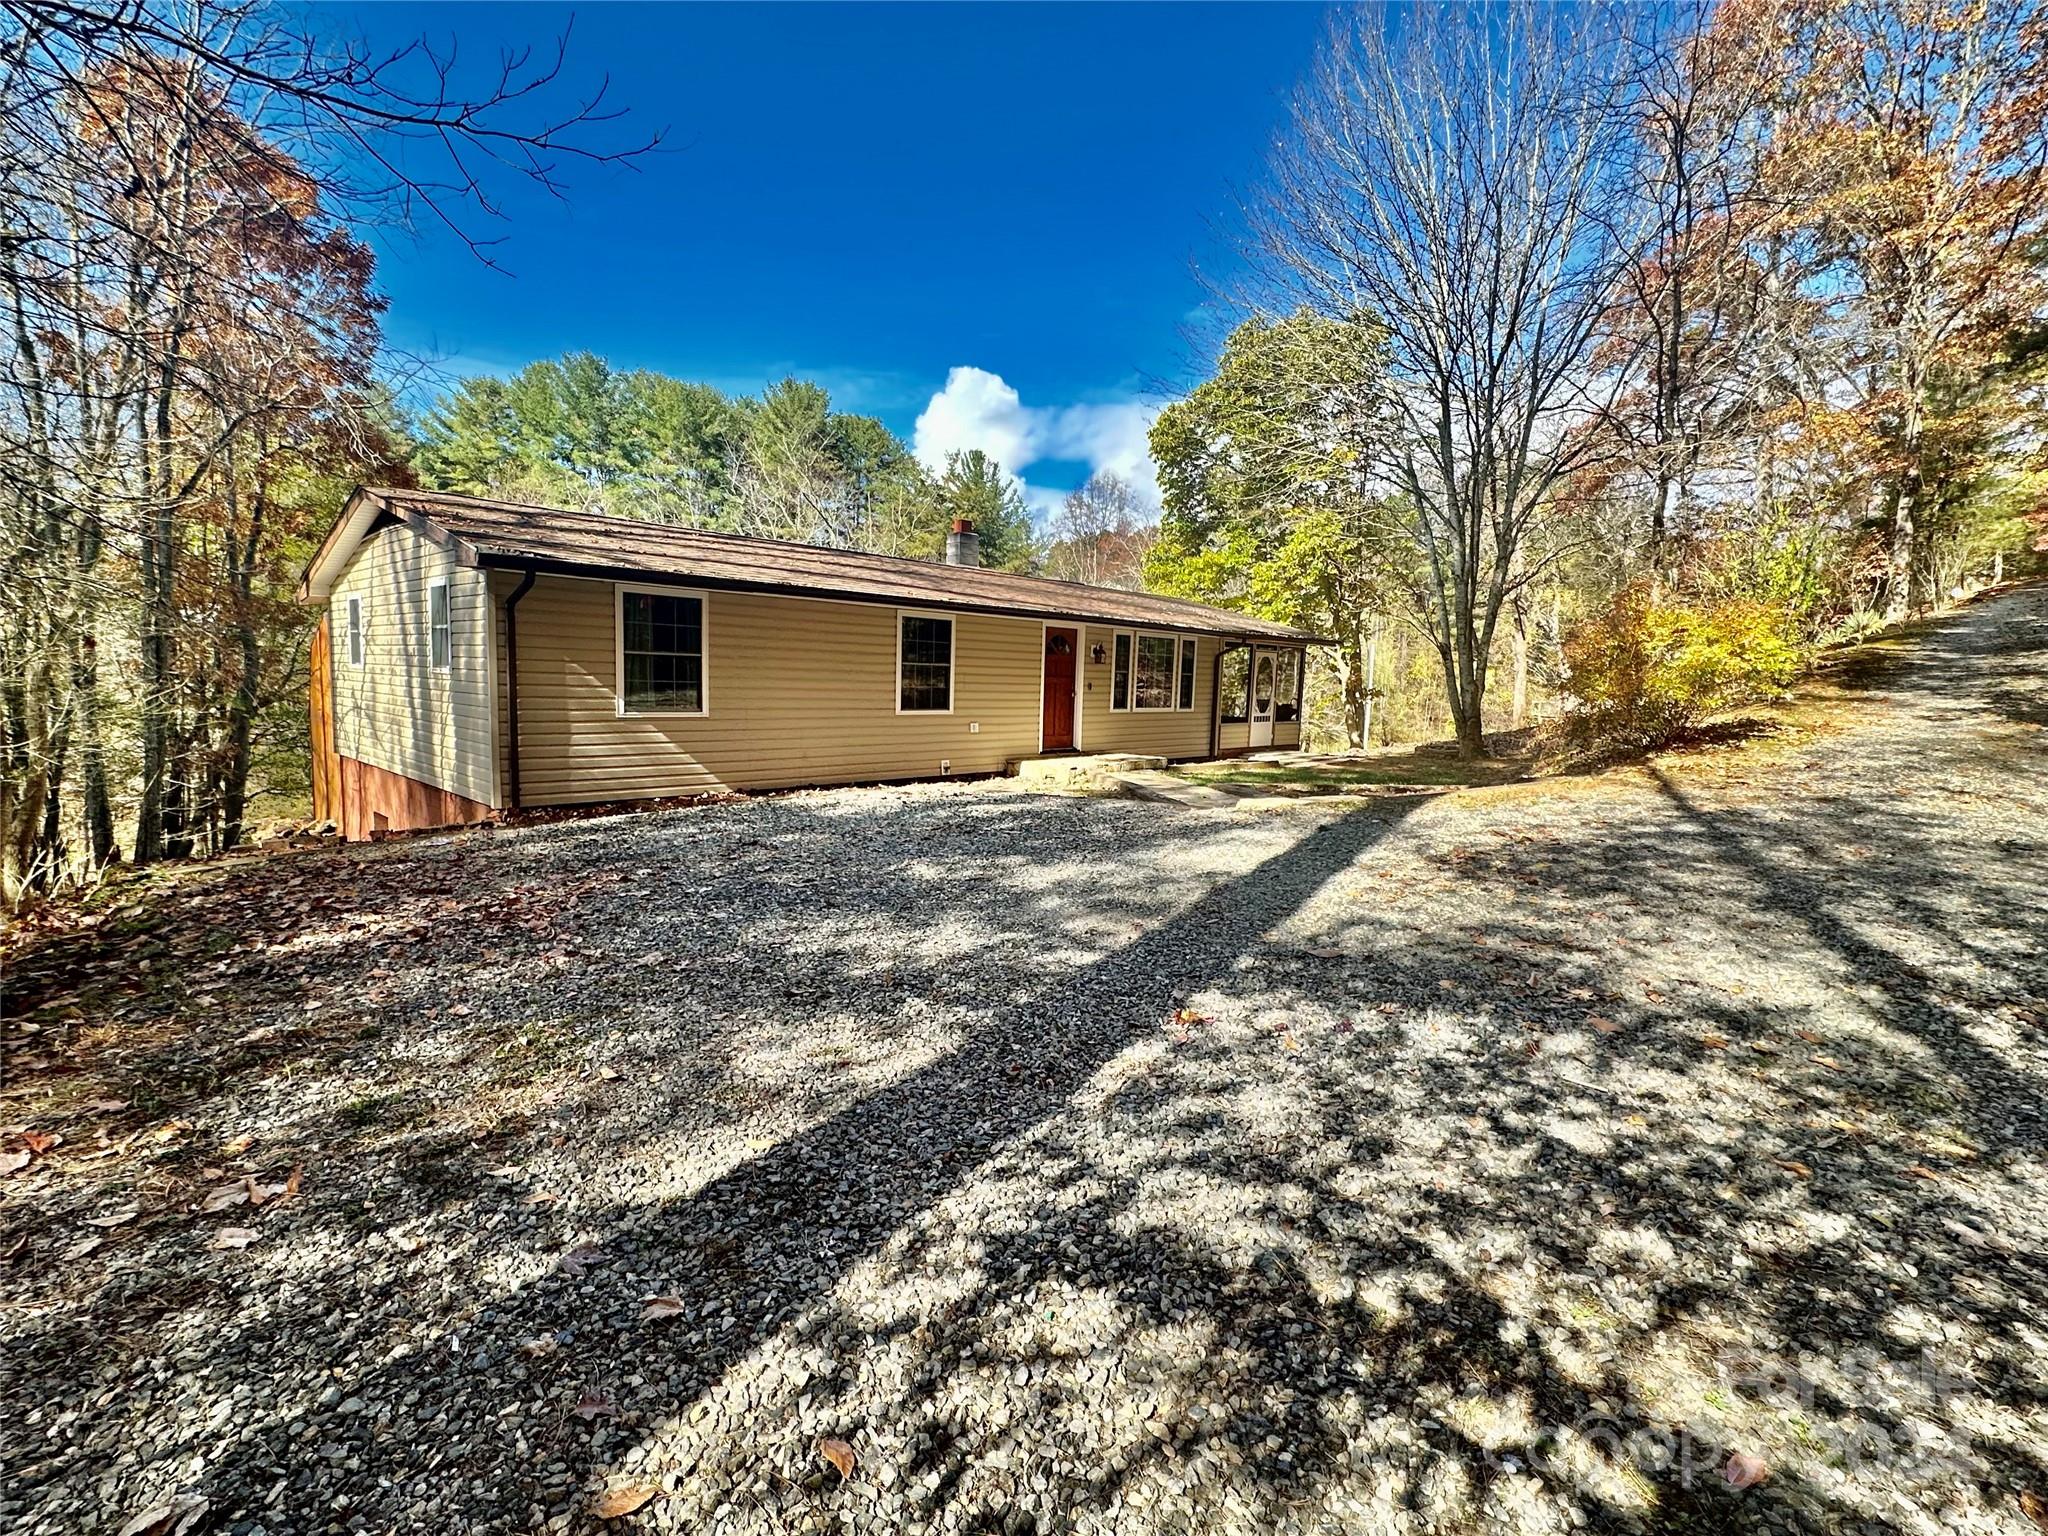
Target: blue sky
{"points": [[876, 197]]}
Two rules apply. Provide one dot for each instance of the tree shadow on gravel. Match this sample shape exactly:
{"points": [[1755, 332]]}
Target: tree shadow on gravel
{"points": [[797, 1215]]}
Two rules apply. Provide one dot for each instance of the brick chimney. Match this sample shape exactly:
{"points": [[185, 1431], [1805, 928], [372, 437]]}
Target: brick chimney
{"points": [[963, 544]]}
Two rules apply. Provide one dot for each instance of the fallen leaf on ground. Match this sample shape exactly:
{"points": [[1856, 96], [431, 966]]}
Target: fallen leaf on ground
{"points": [[112, 1218], [1793, 1165], [107, 1106], [174, 1517], [14, 1162], [1810, 1037], [839, 1453], [609, 1074], [623, 1500], [542, 1197], [658, 1307], [40, 1142], [541, 1347], [1287, 1040], [1604, 1025], [1829, 1062], [238, 1146], [234, 1237], [1922, 1171], [1714, 1042], [1189, 1016], [576, 1260], [79, 1250], [1325, 952], [171, 1131], [2035, 1508], [227, 1195], [1744, 1470], [595, 1405]]}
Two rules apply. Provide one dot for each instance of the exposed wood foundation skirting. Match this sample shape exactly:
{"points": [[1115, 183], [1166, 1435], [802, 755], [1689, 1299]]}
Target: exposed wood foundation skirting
{"points": [[375, 800]]}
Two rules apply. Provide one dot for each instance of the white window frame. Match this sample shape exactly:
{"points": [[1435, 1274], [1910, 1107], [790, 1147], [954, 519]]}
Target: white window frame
{"points": [[1173, 694], [447, 628], [356, 637], [952, 661], [620, 592]]}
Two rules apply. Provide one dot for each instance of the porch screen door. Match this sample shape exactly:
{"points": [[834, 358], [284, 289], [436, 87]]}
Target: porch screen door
{"points": [[1262, 699]]}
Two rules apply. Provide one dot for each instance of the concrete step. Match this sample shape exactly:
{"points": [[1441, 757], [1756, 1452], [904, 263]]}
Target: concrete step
{"points": [[1082, 765]]}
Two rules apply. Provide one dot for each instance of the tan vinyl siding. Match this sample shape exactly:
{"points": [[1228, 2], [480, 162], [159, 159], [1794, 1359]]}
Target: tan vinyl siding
{"points": [[1234, 736], [1159, 732], [397, 711], [800, 691]]}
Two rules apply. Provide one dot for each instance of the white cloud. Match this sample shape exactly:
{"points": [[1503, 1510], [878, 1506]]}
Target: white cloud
{"points": [[978, 409]]}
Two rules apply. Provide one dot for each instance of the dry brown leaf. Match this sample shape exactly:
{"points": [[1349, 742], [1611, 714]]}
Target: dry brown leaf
{"points": [[173, 1517], [2035, 1508], [227, 1195], [541, 1347], [1829, 1062], [623, 1499], [79, 1250], [291, 1182], [839, 1453], [40, 1142], [1325, 952], [1714, 1042], [1922, 1171], [238, 1146], [234, 1237], [658, 1307], [171, 1130], [113, 1218], [1288, 1042], [1810, 1037], [14, 1162], [1606, 1026], [107, 1106], [1744, 1470], [575, 1261], [541, 1197], [1189, 1016], [1793, 1165], [1581, 994], [593, 1404]]}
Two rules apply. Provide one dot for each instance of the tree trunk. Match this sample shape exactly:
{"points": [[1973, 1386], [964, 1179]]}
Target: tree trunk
{"points": [[1354, 692]]}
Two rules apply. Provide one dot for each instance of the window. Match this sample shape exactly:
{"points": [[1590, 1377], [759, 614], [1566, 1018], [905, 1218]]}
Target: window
{"points": [[1236, 685], [661, 653], [1120, 675], [1186, 699], [1287, 687], [355, 631], [1158, 659], [924, 664], [437, 625]]}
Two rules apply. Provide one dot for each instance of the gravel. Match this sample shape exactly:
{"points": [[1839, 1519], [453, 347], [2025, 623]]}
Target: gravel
{"points": [[1504, 1160]]}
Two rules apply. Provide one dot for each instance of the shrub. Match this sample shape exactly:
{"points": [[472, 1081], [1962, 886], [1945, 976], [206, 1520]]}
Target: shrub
{"points": [[1642, 671]]}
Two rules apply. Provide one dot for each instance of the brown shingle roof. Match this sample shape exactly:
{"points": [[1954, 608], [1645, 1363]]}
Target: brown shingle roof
{"points": [[507, 534]]}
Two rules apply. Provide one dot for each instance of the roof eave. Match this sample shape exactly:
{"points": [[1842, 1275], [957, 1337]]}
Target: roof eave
{"points": [[495, 558], [359, 514]]}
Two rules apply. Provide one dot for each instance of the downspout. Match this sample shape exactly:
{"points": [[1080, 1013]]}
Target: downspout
{"points": [[512, 687]]}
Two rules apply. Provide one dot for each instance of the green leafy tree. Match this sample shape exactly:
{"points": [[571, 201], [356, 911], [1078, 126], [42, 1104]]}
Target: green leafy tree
{"points": [[1264, 476], [975, 487]]}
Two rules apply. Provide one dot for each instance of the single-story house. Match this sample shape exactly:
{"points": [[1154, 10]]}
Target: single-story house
{"points": [[478, 655]]}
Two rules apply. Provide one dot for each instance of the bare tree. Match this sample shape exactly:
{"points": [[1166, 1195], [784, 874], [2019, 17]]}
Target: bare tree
{"points": [[1464, 175], [1100, 534]]}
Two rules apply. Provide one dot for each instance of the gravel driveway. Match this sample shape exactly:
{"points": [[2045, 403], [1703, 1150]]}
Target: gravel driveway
{"points": [[1504, 1160]]}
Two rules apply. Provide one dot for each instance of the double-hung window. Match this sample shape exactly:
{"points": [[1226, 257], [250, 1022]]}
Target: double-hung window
{"points": [[1158, 664], [661, 653], [437, 625], [924, 664], [355, 631], [1152, 672]]}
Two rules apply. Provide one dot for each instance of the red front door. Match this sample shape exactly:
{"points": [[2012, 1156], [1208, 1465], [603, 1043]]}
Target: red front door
{"points": [[1057, 729]]}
